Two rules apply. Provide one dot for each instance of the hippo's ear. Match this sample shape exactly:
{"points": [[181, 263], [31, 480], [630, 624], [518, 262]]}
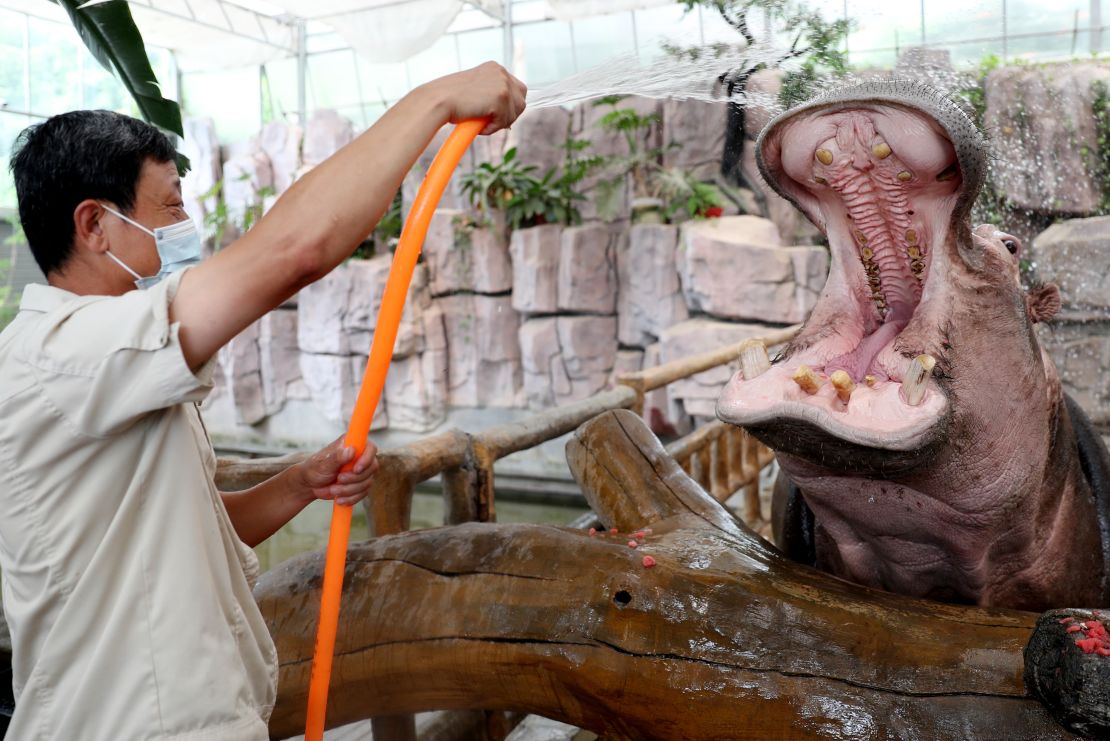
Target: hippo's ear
{"points": [[1042, 302]]}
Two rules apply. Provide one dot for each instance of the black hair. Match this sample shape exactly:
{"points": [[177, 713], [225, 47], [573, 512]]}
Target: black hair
{"points": [[73, 156]]}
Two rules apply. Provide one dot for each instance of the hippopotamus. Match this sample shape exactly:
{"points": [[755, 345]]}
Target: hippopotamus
{"points": [[925, 444]]}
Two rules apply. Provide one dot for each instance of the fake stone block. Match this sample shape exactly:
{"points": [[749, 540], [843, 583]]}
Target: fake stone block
{"points": [[535, 260], [587, 278], [482, 348], [650, 297], [1044, 136], [735, 268], [466, 258], [698, 394]]}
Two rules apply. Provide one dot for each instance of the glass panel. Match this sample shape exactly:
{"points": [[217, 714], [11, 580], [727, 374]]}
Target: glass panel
{"points": [[526, 11], [282, 75], [547, 52], [230, 97], [437, 60], [880, 30], [1037, 16], [469, 19], [666, 23], [10, 126], [102, 90], [331, 80], [476, 47], [382, 82], [1049, 30], [601, 38], [11, 60], [324, 42], [970, 33], [55, 82]]}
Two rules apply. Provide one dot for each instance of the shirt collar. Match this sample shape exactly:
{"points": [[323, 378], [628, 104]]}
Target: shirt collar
{"points": [[42, 298]]}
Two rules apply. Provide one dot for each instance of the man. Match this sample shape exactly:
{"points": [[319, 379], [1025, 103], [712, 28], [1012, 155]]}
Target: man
{"points": [[126, 574]]}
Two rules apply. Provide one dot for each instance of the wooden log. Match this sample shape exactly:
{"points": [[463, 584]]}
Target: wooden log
{"points": [[650, 379], [722, 638]]}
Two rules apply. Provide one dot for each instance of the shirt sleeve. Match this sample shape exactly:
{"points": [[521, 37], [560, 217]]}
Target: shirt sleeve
{"points": [[106, 361]]}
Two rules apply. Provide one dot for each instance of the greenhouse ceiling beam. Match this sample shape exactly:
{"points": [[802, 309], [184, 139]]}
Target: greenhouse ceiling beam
{"points": [[229, 29], [500, 18]]}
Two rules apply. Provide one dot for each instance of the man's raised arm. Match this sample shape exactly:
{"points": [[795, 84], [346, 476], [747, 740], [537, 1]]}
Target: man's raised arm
{"points": [[325, 215]]}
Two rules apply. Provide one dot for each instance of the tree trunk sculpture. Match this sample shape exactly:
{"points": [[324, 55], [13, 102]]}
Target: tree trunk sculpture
{"points": [[722, 638]]}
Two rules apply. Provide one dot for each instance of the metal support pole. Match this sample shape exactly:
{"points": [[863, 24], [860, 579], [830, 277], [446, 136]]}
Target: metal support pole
{"points": [[1006, 34], [847, 51], [922, 4], [1095, 22], [302, 71], [507, 34]]}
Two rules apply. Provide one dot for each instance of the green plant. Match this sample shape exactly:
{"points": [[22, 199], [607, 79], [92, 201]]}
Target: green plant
{"points": [[642, 161], [110, 34], [991, 206], [549, 200], [526, 200], [221, 218], [17, 236], [1100, 103], [8, 308], [490, 187], [682, 192], [385, 235]]}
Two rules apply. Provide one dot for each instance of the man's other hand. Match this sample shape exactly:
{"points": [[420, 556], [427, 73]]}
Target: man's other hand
{"points": [[320, 475]]}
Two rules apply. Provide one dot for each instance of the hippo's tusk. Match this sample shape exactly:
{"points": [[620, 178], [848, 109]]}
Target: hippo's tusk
{"points": [[843, 384], [753, 359], [807, 380], [916, 377]]}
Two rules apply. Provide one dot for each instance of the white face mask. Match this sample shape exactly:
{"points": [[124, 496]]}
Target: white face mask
{"points": [[178, 247]]}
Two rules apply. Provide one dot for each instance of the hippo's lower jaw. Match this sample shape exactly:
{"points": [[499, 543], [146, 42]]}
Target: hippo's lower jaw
{"points": [[874, 417], [882, 180]]}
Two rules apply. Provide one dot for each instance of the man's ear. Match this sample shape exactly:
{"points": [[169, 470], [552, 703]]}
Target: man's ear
{"points": [[88, 232], [1042, 302]]}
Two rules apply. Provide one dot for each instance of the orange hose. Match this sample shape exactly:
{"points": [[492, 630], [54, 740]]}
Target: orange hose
{"points": [[377, 365]]}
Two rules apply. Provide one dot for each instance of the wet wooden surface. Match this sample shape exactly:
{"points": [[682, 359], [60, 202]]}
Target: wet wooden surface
{"points": [[721, 639]]}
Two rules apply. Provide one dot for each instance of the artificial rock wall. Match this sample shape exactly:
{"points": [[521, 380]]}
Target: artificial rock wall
{"points": [[552, 314]]}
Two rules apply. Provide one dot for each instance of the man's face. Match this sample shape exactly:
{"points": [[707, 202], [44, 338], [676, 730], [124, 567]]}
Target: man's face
{"points": [[157, 203]]}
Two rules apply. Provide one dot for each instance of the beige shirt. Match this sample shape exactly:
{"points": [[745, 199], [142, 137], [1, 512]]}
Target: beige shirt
{"points": [[124, 583]]}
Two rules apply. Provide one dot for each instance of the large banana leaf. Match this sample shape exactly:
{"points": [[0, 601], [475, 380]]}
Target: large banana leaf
{"points": [[109, 32]]}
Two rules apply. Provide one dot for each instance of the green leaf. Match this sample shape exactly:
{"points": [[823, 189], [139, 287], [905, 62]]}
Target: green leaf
{"points": [[110, 34]]}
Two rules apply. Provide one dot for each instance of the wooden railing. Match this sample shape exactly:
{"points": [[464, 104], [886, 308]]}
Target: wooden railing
{"points": [[722, 458]]}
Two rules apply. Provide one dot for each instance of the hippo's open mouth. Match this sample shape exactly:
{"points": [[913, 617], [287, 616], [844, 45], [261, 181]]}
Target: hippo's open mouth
{"points": [[882, 178]]}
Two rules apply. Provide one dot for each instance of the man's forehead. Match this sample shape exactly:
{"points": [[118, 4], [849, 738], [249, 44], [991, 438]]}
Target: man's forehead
{"points": [[159, 178]]}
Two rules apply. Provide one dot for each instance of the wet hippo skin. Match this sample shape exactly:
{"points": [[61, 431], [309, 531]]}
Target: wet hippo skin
{"points": [[928, 446]]}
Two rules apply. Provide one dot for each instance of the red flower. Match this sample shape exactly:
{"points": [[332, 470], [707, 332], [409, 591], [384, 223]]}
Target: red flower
{"points": [[713, 212]]}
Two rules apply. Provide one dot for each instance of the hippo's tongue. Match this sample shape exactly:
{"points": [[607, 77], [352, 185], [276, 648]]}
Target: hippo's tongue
{"points": [[875, 185]]}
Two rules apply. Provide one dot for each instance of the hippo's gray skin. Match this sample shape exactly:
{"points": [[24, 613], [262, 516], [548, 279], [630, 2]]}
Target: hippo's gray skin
{"points": [[983, 492]]}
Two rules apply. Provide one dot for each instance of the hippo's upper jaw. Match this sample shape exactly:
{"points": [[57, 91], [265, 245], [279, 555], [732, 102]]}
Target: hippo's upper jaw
{"points": [[881, 175]]}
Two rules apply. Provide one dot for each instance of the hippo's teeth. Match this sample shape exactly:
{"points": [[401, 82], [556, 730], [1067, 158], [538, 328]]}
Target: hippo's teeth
{"points": [[870, 381], [843, 384], [824, 156], [753, 359], [882, 151], [916, 377], [807, 380]]}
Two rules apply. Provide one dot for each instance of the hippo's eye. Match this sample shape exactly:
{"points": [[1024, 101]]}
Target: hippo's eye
{"points": [[1011, 245]]}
